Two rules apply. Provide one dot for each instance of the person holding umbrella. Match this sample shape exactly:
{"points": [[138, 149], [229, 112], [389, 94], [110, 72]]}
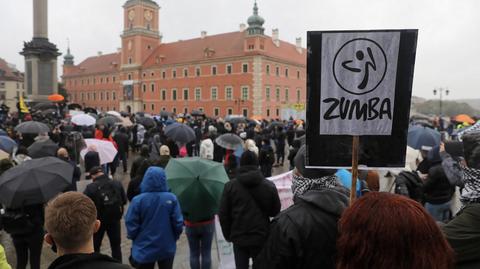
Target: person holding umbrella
{"points": [[247, 204]]}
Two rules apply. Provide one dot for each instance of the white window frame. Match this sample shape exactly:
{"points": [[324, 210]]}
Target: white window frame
{"points": [[245, 94], [227, 97], [198, 94], [212, 90]]}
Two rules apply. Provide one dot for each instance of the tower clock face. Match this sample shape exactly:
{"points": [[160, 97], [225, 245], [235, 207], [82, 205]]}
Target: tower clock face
{"points": [[131, 15], [148, 15]]}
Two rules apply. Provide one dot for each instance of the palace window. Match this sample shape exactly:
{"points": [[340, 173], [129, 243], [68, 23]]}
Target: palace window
{"points": [[267, 94], [229, 69], [277, 94], [152, 87], [214, 70], [267, 69], [174, 94], [185, 72], [213, 93], [164, 94], [286, 94], [197, 71], [244, 93], [198, 94], [228, 93], [185, 94], [245, 68]]}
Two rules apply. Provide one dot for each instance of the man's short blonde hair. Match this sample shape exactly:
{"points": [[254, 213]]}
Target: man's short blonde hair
{"points": [[69, 219]]}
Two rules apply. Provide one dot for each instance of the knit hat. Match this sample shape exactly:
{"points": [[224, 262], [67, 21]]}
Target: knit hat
{"points": [[164, 150], [309, 172], [248, 158]]}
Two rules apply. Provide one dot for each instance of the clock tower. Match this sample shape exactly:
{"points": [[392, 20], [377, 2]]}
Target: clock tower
{"points": [[141, 32]]}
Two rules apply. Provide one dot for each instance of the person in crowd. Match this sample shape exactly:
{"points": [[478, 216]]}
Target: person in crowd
{"points": [[91, 159], [230, 163], [293, 150], [109, 198], [280, 146], [63, 155], [206, 149], [463, 232], [247, 204], [266, 158], [251, 146], [164, 157], [137, 162], [397, 233], [133, 188], [121, 139], [304, 235], [154, 222], [3, 259], [438, 191], [25, 226], [71, 221]]}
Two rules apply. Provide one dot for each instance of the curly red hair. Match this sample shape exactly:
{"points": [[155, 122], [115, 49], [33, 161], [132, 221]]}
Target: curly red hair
{"points": [[383, 230]]}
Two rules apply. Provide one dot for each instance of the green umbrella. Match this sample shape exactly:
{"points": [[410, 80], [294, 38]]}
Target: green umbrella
{"points": [[198, 184]]}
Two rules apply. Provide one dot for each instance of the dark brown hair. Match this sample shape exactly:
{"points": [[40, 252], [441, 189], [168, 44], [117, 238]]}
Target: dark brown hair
{"points": [[383, 230], [69, 219]]}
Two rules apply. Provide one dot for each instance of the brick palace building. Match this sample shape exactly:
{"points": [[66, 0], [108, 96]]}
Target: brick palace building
{"points": [[243, 72]]}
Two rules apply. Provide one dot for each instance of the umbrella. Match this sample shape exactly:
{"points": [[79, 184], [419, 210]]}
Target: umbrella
{"points": [[4, 155], [147, 122], [105, 149], [423, 138], [49, 111], [165, 114], [126, 122], [229, 141], [56, 98], [74, 106], [32, 127], [114, 113], [109, 120], [198, 113], [236, 120], [34, 182], [180, 133], [464, 118], [275, 124], [44, 106], [198, 184], [90, 110], [3, 132], [95, 116], [40, 149], [7, 144], [83, 120], [124, 114]]}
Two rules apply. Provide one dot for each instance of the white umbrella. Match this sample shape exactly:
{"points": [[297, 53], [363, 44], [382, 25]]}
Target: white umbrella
{"points": [[106, 150], [83, 120], [126, 122], [114, 113]]}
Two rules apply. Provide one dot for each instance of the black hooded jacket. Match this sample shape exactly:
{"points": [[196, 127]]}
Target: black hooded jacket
{"points": [[247, 204], [86, 261], [304, 235]]}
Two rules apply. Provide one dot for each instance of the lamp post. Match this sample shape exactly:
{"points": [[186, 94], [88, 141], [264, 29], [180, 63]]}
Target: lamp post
{"points": [[440, 94]]}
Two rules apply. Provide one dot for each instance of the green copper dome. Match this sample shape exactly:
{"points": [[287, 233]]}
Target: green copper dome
{"points": [[68, 58], [255, 22]]}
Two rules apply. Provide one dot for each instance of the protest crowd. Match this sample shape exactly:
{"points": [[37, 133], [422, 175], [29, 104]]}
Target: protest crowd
{"points": [[57, 186]]}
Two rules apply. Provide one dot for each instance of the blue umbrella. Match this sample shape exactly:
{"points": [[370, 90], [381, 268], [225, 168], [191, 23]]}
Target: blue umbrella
{"points": [[3, 132], [423, 138], [7, 144]]}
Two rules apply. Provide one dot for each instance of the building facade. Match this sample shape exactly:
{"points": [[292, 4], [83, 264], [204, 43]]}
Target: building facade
{"points": [[243, 72], [11, 85]]}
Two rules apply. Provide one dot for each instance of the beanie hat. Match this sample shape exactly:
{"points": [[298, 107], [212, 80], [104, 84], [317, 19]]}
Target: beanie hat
{"points": [[309, 172]]}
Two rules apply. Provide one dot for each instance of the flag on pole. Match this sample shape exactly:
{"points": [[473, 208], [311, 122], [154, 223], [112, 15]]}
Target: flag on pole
{"points": [[23, 106]]}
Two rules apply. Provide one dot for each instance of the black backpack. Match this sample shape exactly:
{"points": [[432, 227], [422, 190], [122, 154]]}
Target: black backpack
{"points": [[109, 202], [16, 222]]}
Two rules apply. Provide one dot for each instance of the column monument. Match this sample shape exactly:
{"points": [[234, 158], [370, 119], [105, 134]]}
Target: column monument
{"points": [[40, 57]]}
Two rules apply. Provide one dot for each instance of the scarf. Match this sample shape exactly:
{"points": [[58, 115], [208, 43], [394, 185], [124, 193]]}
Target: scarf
{"points": [[301, 185], [471, 191]]}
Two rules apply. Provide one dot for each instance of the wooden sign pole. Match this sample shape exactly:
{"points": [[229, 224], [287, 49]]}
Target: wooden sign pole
{"points": [[355, 146]]}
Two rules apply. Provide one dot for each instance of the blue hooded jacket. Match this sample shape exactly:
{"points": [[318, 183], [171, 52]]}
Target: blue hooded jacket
{"points": [[154, 220]]}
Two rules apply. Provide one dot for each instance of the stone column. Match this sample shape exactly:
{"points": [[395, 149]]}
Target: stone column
{"points": [[40, 19]]}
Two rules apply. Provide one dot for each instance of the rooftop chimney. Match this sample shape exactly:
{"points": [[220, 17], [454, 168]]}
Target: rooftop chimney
{"points": [[203, 34], [275, 37], [243, 27], [298, 43]]}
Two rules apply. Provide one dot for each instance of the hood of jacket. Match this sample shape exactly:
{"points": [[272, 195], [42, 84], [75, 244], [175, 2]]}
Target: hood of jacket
{"points": [[249, 176], [93, 260], [333, 201], [154, 180]]}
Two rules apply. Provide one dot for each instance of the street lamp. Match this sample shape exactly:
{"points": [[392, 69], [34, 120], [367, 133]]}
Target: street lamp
{"points": [[440, 94]]}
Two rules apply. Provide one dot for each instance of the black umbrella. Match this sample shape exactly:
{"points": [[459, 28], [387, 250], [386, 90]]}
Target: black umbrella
{"points": [[49, 111], [34, 182], [44, 106], [32, 127], [198, 113], [7, 144], [275, 124], [109, 120], [90, 110], [229, 141], [165, 114], [147, 122], [74, 106], [180, 133], [236, 120], [41, 149], [124, 114]]}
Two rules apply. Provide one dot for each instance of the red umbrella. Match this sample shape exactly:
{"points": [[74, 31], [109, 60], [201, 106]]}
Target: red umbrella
{"points": [[56, 98]]}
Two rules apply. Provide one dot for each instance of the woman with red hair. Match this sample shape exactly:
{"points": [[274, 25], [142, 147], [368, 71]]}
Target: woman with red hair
{"points": [[383, 230]]}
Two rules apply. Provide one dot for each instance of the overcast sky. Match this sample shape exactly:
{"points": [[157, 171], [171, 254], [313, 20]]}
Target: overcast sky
{"points": [[448, 52]]}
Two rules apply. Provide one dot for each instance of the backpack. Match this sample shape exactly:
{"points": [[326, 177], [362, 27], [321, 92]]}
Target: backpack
{"points": [[16, 222], [409, 184], [109, 202]]}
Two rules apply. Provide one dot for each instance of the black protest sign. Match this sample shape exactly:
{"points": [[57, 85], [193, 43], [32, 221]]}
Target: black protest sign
{"points": [[359, 84]]}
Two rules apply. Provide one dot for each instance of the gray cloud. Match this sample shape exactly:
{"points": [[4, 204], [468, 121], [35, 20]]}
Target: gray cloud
{"points": [[449, 30]]}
